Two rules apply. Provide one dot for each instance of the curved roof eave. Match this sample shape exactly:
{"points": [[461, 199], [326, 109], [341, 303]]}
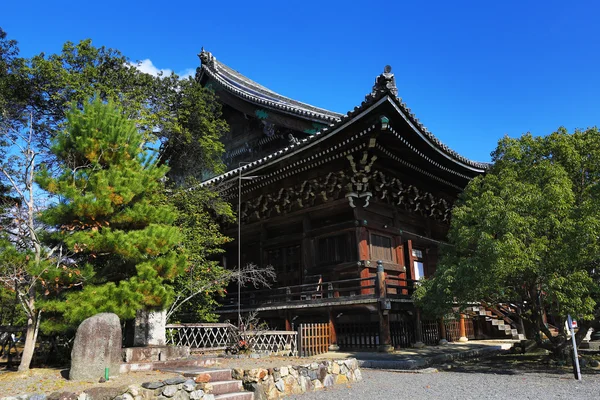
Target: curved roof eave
{"points": [[241, 86]]}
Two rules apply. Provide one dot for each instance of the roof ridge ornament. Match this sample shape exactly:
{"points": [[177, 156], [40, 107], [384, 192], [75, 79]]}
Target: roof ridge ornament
{"points": [[385, 83], [206, 58]]}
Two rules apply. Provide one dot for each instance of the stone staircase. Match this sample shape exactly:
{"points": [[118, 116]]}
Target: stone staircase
{"points": [[217, 382], [499, 320]]}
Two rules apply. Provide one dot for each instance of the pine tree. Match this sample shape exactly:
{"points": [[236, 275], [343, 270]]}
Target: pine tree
{"points": [[112, 215]]}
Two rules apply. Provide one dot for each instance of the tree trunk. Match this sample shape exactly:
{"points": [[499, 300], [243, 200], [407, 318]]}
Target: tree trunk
{"points": [[30, 337]]}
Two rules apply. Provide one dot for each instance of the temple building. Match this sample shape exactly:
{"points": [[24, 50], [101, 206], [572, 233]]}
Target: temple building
{"points": [[350, 209]]}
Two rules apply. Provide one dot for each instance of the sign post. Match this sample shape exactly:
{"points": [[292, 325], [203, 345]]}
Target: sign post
{"points": [[576, 370]]}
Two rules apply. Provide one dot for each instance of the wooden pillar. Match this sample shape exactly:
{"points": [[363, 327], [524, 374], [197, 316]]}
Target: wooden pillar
{"points": [[363, 254], [333, 346], [385, 335], [418, 329], [288, 322], [443, 339], [462, 330], [306, 258]]}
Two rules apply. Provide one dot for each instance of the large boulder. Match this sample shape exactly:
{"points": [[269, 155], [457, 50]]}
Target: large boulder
{"points": [[97, 346]]}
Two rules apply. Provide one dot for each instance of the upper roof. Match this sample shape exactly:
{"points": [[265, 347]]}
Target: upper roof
{"points": [[241, 86], [383, 90]]}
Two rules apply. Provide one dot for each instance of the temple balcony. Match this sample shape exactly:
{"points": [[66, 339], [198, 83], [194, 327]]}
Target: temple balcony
{"points": [[320, 294]]}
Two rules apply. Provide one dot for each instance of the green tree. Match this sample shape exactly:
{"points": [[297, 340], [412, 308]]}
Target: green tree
{"points": [[112, 216], [527, 233]]}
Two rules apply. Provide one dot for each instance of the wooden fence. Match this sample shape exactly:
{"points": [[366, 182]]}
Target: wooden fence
{"points": [[403, 333], [313, 339], [431, 332], [358, 335]]}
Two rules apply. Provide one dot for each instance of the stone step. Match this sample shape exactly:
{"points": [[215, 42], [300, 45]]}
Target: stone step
{"points": [[224, 387], [207, 375], [236, 396]]}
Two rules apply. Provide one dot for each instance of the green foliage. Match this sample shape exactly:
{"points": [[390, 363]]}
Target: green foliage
{"points": [[527, 232], [112, 216], [201, 212]]}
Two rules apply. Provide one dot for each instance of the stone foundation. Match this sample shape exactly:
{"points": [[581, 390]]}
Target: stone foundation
{"points": [[274, 383]]}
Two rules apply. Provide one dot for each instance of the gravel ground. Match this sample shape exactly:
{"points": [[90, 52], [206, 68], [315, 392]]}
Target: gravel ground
{"points": [[45, 380], [462, 385]]}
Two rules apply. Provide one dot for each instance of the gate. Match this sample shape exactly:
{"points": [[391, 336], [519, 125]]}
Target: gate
{"points": [[313, 339]]}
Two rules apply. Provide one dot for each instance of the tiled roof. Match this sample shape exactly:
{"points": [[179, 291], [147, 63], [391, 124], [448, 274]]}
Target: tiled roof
{"points": [[384, 87], [246, 88]]}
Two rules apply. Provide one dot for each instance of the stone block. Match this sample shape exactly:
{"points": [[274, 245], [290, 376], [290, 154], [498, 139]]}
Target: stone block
{"points": [[340, 379], [97, 346], [335, 368]]}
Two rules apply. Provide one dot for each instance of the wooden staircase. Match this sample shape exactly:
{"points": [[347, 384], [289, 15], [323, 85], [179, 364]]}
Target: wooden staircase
{"points": [[498, 317], [217, 382]]}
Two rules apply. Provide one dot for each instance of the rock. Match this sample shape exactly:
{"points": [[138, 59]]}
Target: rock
{"points": [[38, 397], [313, 374], [127, 396], [314, 365], [169, 391], [594, 363], [134, 390], [276, 375], [209, 397], [202, 378], [306, 384], [343, 369], [322, 372], [272, 393], [303, 371], [189, 385], [181, 395], [83, 396], [350, 364], [340, 379], [62, 396], [280, 385], [328, 381], [97, 345], [317, 384], [257, 389], [152, 385], [583, 363], [284, 371], [237, 374], [335, 368], [208, 387], [175, 381], [357, 375], [102, 380], [262, 373], [104, 393], [293, 372], [196, 394]]}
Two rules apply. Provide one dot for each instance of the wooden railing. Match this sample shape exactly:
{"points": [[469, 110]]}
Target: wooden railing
{"points": [[321, 292]]}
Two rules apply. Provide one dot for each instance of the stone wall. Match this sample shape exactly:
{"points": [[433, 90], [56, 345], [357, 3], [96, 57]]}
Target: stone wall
{"points": [[274, 383]]}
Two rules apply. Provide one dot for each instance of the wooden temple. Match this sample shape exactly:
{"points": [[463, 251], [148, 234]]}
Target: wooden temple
{"points": [[350, 209]]}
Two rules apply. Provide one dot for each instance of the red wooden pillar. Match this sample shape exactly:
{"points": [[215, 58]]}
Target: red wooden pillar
{"points": [[333, 343], [288, 322], [401, 261], [363, 254], [462, 330]]}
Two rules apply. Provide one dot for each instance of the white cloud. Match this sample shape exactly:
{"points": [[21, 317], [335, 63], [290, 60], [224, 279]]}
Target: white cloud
{"points": [[146, 66]]}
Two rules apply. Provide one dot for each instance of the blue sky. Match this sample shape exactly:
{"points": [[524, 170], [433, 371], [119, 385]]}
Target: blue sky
{"points": [[472, 71]]}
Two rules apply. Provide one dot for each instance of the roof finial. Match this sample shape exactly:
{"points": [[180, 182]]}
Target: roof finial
{"points": [[206, 58], [385, 83]]}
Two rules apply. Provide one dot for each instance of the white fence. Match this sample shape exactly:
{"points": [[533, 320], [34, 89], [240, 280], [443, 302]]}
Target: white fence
{"points": [[221, 336]]}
